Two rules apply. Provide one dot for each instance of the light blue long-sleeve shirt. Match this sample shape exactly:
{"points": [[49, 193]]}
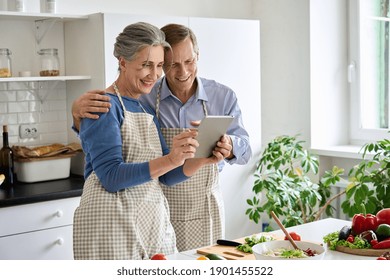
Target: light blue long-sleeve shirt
{"points": [[219, 99], [102, 144]]}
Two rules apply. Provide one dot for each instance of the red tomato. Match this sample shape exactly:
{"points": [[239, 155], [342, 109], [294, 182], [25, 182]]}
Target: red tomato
{"points": [[351, 238], [374, 242], [381, 258], [158, 257], [383, 216], [295, 236]]}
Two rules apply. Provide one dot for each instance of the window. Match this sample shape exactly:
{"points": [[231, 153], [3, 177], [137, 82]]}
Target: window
{"points": [[369, 74]]}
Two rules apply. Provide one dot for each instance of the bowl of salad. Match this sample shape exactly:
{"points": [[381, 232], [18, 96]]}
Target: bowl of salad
{"points": [[283, 250]]}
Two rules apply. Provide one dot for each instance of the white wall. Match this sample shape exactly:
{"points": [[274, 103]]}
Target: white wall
{"points": [[285, 67]]}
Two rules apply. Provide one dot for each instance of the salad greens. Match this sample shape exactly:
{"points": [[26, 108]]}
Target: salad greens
{"points": [[287, 253], [251, 241], [332, 239]]}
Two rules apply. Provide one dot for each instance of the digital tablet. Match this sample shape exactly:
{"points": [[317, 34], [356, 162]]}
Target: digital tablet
{"points": [[210, 131]]}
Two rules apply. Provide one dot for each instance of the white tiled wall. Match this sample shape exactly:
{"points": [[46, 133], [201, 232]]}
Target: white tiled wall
{"points": [[41, 103]]}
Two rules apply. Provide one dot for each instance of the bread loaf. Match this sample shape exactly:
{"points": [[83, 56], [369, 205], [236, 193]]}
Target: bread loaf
{"points": [[22, 152], [43, 150]]}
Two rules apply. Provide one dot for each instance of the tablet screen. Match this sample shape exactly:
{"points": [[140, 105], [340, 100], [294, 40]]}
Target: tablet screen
{"points": [[210, 131]]}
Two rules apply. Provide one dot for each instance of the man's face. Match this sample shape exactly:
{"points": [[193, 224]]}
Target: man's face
{"points": [[182, 73]]}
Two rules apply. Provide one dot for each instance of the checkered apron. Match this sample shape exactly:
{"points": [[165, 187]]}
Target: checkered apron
{"points": [[129, 224], [196, 205]]}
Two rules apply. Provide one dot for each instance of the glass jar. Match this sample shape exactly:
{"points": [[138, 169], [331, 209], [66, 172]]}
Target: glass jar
{"points": [[50, 6], [5, 63], [50, 64]]}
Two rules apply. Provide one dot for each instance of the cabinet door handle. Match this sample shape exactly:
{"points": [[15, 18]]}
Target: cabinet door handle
{"points": [[60, 241], [59, 213]]}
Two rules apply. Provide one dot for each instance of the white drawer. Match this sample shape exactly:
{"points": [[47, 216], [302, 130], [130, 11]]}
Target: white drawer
{"points": [[37, 216], [50, 244]]}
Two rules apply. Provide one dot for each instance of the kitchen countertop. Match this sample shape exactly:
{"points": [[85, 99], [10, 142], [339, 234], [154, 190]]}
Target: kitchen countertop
{"points": [[313, 231], [23, 193]]}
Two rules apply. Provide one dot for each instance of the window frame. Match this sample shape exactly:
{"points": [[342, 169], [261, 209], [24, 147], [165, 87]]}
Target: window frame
{"points": [[358, 134]]}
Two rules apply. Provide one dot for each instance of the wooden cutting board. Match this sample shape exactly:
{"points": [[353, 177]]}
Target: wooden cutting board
{"points": [[230, 252]]}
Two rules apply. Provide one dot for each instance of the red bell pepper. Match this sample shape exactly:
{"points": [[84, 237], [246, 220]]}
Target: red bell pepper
{"points": [[371, 222], [362, 222]]}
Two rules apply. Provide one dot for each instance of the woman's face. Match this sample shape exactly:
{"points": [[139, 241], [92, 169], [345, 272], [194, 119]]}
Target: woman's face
{"points": [[142, 73], [183, 71]]}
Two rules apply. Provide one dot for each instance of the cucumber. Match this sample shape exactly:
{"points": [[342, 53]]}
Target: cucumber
{"points": [[215, 257], [344, 232]]}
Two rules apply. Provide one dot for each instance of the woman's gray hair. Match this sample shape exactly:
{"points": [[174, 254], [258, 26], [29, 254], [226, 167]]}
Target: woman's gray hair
{"points": [[137, 36]]}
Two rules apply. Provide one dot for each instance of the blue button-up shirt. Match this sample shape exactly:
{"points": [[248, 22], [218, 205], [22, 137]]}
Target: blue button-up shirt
{"points": [[219, 100]]}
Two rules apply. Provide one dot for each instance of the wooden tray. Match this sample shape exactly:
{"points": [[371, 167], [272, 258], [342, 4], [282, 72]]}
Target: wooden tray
{"points": [[362, 252]]}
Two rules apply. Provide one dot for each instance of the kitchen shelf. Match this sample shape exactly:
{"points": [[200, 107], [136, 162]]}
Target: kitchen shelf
{"points": [[38, 16], [38, 79]]}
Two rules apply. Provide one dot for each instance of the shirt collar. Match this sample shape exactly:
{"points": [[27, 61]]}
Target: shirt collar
{"points": [[200, 93]]}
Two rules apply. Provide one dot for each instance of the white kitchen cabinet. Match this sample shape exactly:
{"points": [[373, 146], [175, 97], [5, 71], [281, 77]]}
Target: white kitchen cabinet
{"points": [[38, 231]]}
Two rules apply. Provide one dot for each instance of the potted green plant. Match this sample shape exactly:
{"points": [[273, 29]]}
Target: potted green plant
{"points": [[369, 181], [287, 182]]}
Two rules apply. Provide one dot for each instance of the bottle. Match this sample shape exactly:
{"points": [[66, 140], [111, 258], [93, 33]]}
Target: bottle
{"points": [[7, 160], [5, 63], [50, 65]]}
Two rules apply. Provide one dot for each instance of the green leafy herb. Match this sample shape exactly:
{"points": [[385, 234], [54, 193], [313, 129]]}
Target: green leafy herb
{"points": [[251, 241], [245, 248], [332, 239]]}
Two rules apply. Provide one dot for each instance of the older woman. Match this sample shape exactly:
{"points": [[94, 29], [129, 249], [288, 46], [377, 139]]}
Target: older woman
{"points": [[123, 213]]}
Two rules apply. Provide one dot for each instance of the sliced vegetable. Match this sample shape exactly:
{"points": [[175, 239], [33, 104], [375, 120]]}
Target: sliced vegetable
{"points": [[384, 256], [252, 241], [368, 235], [215, 257]]}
